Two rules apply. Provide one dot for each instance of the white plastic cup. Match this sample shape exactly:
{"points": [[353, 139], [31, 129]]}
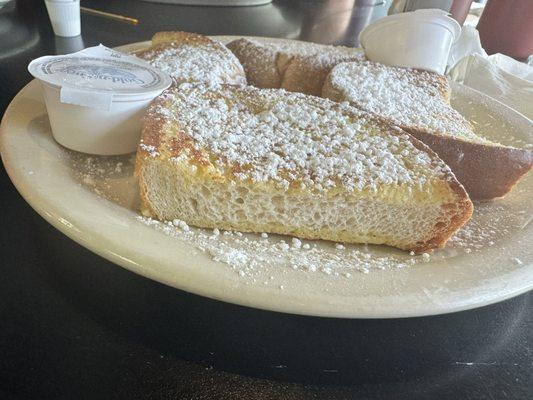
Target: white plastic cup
{"points": [[421, 39], [65, 17], [94, 131], [95, 98]]}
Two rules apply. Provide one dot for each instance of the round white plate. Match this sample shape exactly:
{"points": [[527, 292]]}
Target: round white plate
{"points": [[93, 200]]}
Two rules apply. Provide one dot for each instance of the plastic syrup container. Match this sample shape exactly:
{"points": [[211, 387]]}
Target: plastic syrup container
{"points": [[96, 97]]}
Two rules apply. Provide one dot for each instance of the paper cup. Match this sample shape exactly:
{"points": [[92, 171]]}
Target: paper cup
{"points": [[65, 17], [421, 39]]}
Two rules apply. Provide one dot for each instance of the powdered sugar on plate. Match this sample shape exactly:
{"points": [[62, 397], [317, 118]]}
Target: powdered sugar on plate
{"points": [[109, 177], [251, 255]]}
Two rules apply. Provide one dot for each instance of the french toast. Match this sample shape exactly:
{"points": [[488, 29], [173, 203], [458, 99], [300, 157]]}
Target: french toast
{"points": [[294, 66], [268, 160], [418, 102], [190, 57]]}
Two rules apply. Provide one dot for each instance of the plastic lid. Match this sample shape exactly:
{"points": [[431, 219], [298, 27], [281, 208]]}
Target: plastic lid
{"points": [[100, 69]]}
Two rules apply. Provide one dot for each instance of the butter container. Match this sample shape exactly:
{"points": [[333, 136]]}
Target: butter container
{"points": [[95, 98], [420, 39]]}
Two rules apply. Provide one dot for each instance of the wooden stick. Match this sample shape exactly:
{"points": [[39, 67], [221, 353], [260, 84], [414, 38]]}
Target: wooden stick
{"points": [[104, 14]]}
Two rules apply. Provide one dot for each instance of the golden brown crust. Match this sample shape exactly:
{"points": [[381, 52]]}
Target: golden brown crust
{"points": [[263, 68], [305, 75], [460, 211], [148, 53], [163, 40], [487, 172], [268, 67], [151, 138], [169, 37], [145, 207], [151, 131]]}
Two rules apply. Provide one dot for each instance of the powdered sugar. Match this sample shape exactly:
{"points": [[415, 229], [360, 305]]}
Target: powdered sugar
{"points": [[408, 97], [249, 255], [104, 174], [149, 149], [207, 62], [306, 49], [489, 224], [284, 137], [253, 255]]}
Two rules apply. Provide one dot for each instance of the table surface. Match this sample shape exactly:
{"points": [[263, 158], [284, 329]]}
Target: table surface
{"points": [[74, 325]]}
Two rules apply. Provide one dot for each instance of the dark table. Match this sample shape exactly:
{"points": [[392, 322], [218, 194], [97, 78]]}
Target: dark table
{"points": [[74, 326]]}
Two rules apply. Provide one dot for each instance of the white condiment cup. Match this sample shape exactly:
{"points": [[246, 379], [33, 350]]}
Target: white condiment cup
{"points": [[64, 16], [421, 39], [95, 98]]}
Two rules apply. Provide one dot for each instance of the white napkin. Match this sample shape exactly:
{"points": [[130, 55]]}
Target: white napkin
{"points": [[467, 44], [501, 77]]}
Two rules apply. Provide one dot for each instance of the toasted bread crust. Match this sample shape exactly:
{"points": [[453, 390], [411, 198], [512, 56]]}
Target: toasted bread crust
{"points": [[169, 37], [304, 75], [268, 67], [460, 211], [264, 69], [487, 172]]}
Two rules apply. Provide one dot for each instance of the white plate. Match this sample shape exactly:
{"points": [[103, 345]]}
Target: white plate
{"points": [[94, 203]]}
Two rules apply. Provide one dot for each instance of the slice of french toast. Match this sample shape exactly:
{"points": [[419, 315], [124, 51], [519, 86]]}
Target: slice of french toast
{"points": [[191, 57], [291, 65], [267, 160], [418, 102]]}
